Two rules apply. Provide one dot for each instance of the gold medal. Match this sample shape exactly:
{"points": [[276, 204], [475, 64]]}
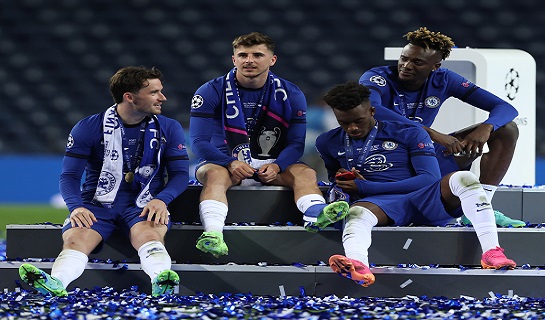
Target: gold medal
{"points": [[129, 177]]}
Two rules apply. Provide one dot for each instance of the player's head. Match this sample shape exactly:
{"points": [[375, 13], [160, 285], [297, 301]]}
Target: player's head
{"points": [[253, 55], [422, 55], [131, 79], [352, 108]]}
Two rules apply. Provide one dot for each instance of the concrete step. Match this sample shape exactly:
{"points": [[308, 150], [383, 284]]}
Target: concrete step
{"points": [[310, 280], [269, 205], [446, 246]]}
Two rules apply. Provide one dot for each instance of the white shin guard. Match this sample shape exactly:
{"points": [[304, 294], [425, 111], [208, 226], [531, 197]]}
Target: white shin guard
{"points": [[69, 266], [154, 258], [357, 233]]}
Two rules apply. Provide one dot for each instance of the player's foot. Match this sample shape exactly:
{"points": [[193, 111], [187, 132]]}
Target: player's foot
{"points": [[501, 220], [504, 221], [41, 281], [495, 259], [352, 269], [331, 213], [164, 283], [212, 242]]}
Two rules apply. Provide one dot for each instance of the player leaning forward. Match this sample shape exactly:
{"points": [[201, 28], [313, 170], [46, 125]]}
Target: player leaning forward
{"points": [[397, 182], [126, 153]]}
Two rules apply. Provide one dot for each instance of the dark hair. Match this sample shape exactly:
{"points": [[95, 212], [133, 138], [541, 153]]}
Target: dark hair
{"points": [[431, 40], [253, 39], [131, 79], [347, 96]]}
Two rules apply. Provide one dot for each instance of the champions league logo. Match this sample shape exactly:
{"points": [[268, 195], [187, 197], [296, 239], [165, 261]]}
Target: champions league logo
{"points": [[379, 80], [242, 153], [106, 183], [432, 102], [197, 101], [70, 142], [512, 83], [267, 140]]}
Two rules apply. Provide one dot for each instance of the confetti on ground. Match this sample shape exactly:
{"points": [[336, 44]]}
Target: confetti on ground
{"points": [[130, 304]]}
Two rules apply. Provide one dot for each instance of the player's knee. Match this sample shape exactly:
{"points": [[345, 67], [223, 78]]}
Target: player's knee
{"points": [[462, 181], [508, 134], [303, 174], [213, 173]]}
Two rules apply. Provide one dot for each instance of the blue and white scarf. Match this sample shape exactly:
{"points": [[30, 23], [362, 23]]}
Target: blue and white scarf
{"points": [[269, 133], [111, 174]]}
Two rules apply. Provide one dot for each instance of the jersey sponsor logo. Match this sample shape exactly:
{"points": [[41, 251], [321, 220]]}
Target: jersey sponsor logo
{"points": [[70, 142], [197, 101], [389, 145], [106, 183], [465, 84], [432, 102], [376, 162], [378, 80]]}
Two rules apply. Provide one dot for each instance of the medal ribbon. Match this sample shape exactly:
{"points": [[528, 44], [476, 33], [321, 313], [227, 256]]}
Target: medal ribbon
{"points": [[363, 154], [127, 163]]}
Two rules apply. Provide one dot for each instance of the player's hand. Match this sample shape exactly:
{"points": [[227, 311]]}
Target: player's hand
{"points": [[349, 186], [452, 144], [475, 140], [157, 211], [82, 218], [268, 172], [240, 170]]}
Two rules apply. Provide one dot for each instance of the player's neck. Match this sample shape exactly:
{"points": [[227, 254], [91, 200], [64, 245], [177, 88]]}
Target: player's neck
{"points": [[252, 82], [129, 116], [412, 85]]}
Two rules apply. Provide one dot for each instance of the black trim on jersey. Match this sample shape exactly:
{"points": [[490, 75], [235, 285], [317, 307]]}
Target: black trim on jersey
{"points": [[176, 158], [201, 115], [75, 155], [423, 153], [469, 92], [298, 121]]}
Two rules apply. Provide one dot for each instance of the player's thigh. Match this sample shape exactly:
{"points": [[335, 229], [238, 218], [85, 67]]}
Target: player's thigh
{"points": [[296, 173], [210, 173]]}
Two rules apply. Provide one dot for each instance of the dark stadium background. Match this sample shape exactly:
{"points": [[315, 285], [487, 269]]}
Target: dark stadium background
{"points": [[57, 56]]}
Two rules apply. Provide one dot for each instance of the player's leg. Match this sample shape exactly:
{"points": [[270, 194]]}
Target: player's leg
{"points": [[309, 198], [494, 164], [148, 239], [213, 207], [78, 243], [361, 219], [463, 188]]}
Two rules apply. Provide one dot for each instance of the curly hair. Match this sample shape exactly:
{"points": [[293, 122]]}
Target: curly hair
{"points": [[347, 96], [431, 40]]}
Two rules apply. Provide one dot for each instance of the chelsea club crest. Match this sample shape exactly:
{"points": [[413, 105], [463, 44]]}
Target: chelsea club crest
{"points": [[242, 153], [432, 102]]}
